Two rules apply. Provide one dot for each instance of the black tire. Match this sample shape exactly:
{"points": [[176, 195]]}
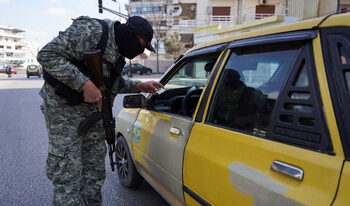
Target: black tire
{"points": [[149, 72], [128, 175], [27, 76]]}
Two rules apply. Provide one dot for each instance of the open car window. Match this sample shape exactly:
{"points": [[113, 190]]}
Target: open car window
{"points": [[185, 85]]}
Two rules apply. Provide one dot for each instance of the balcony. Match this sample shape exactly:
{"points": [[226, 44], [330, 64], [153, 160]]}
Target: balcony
{"points": [[20, 43], [12, 35], [185, 26], [187, 23], [222, 19], [260, 16]]}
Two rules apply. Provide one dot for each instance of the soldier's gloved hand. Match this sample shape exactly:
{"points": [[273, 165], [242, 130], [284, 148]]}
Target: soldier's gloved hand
{"points": [[92, 94], [149, 87]]}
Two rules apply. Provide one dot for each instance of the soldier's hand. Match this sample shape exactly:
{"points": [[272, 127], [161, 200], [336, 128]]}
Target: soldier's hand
{"points": [[91, 93], [149, 87]]}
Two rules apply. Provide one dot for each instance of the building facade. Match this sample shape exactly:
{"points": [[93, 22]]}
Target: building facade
{"points": [[237, 16], [196, 21], [158, 13], [12, 47]]}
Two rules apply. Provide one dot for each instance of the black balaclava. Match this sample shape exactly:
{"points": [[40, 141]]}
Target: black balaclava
{"points": [[127, 41]]}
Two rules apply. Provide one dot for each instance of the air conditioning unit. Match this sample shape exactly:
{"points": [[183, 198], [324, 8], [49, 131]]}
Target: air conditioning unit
{"points": [[209, 10], [262, 1]]}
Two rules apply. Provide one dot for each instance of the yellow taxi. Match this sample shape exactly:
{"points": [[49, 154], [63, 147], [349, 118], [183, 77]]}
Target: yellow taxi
{"points": [[259, 118], [33, 70]]}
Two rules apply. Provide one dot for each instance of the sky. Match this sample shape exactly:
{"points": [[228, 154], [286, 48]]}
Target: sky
{"points": [[43, 19]]}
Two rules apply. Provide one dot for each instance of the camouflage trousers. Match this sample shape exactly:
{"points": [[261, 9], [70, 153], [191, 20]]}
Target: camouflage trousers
{"points": [[75, 164]]}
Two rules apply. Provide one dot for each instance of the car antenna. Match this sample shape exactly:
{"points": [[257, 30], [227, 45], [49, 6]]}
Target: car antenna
{"points": [[329, 15]]}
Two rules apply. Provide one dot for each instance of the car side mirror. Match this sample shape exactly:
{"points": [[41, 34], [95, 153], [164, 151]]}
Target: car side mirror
{"points": [[134, 101]]}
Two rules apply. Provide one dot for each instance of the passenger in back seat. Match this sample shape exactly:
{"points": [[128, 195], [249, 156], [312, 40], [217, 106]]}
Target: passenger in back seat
{"points": [[239, 106]]}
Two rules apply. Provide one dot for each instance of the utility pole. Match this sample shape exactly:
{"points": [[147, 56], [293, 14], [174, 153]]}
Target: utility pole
{"points": [[239, 11]]}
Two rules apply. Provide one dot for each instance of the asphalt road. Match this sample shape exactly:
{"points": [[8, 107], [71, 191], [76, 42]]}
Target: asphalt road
{"points": [[23, 150]]}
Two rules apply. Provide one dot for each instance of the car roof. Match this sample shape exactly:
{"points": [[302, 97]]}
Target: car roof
{"points": [[334, 20]]}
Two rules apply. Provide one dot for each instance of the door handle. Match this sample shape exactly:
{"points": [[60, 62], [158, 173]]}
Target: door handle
{"points": [[288, 170], [175, 131]]}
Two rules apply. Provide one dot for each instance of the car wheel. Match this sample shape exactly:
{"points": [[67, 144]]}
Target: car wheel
{"points": [[128, 175], [149, 72], [39, 75], [27, 76]]}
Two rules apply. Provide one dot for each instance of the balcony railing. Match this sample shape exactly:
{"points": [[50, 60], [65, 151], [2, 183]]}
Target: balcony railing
{"points": [[12, 35], [216, 19], [187, 23], [260, 16]]}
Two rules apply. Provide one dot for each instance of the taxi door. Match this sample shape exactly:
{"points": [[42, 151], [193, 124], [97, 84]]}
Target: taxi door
{"points": [[161, 131], [267, 135]]}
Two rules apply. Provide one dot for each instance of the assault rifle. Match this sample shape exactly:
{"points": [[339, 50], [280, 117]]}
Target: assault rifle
{"points": [[93, 61]]}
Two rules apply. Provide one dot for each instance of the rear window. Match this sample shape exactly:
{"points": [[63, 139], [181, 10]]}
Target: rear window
{"points": [[32, 67]]}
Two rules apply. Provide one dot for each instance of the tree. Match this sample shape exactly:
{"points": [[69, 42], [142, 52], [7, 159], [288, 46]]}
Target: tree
{"points": [[158, 21], [172, 44]]}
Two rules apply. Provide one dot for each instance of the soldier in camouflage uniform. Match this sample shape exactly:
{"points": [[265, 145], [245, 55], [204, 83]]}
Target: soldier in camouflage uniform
{"points": [[76, 164]]}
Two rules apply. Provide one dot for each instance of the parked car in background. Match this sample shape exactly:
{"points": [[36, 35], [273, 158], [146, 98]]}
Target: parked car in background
{"points": [[136, 69], [33, 70], [268, 126], [13, 71]]}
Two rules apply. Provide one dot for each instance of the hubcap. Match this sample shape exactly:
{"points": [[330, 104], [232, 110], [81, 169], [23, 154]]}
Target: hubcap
{"points": [[122, 161]]}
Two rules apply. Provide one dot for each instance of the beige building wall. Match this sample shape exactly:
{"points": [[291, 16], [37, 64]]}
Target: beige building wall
{"points": [[221, 3], [306, 9], [330, 6], [327, 7], [248, 8], [242, 10], [202, 18]]}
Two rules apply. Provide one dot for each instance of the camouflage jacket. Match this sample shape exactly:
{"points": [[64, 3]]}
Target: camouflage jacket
{"points": [[69, 46]]}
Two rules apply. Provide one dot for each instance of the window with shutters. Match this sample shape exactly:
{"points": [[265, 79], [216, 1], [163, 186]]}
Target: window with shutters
{"points": [[262, 11], [221, 14]]}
